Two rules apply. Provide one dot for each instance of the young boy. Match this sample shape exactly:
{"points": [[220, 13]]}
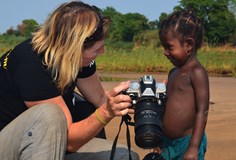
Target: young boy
{"points": [[187, 106]]}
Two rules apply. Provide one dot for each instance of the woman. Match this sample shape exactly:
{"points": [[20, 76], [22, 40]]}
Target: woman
{"points": [[38, 118]]}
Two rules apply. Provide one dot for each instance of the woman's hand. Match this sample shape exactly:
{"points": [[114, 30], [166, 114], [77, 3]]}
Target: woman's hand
{"points": [[118, 104]]}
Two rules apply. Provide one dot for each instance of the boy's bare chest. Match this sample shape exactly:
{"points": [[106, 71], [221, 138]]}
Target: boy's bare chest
{"points": [[179, 81]]}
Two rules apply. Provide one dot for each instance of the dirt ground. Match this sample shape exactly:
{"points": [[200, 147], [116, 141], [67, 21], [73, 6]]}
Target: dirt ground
{"points": [[221, 125]]}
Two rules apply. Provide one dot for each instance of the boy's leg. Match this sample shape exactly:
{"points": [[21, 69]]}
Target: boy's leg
{"points": [[100, 149], [40, 133], [175, 149]]}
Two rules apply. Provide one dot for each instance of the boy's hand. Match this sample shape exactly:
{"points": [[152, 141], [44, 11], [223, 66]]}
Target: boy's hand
{"points": [[191, 153]]}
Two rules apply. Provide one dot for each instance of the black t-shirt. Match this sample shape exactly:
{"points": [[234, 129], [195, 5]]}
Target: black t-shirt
{"points": [[24, 78]]}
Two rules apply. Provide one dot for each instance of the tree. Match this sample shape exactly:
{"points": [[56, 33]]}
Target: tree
{"points": [[10, 31], [27, 27], [133, 24], [125, 26], [161, 18], [148, 38], [116, 17], [153, 24], [219, 22]]}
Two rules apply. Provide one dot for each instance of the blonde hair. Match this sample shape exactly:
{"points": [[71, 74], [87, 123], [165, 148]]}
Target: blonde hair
{"points": [[61, 39]]}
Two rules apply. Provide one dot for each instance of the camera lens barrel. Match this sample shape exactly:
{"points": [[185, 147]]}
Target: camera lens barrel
{"points": [[148, 123]]}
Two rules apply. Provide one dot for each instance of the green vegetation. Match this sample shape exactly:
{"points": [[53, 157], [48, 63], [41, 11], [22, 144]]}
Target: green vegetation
{"points": [[217, 60], [9, 41], [133, 43], [136, 60], [218, 18]]}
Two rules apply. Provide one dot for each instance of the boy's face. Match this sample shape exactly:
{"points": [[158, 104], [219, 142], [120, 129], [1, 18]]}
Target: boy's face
{"points": [[174, 49]]}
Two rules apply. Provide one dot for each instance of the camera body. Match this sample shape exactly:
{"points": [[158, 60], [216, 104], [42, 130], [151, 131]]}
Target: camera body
{"points": [[148, 99], [146, 87]]}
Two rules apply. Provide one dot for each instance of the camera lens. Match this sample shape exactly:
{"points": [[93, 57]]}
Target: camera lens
{"points": [[153, 156], [148, 123]]}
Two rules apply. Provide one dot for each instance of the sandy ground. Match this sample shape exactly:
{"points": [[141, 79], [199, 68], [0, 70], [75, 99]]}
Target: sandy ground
{"points": [[221, 125]]}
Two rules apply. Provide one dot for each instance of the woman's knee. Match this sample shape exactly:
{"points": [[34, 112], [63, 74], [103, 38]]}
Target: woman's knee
{"points": [[50, 114]]}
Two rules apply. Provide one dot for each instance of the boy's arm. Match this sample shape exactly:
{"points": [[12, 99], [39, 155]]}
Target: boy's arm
{"points": [[200, 84]]}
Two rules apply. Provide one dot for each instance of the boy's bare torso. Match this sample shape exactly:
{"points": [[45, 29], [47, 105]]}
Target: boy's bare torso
{"points": [[180, 110]]}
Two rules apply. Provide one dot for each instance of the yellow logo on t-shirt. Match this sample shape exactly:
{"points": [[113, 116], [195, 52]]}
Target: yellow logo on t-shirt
{"points": [[5, 60]]}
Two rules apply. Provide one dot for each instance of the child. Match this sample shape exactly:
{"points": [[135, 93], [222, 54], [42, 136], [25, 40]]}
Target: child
{"points": [[187, 106]]}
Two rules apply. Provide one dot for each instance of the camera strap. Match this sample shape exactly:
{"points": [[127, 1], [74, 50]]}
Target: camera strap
{"points": [[127, 120]]}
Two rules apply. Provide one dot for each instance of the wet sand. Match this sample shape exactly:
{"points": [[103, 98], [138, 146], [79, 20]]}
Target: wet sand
{"points": [[221, 125]]}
